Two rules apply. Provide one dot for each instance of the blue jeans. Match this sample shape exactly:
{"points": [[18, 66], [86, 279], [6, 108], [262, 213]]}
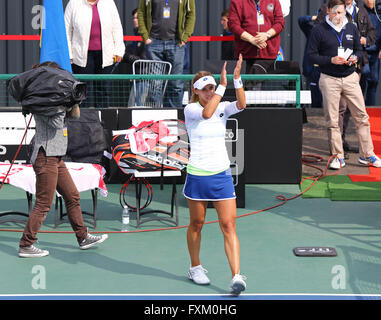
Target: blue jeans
{"points": [[170, 51]]}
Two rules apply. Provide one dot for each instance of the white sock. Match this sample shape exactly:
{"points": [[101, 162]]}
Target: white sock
{"points": [[196, 267]]}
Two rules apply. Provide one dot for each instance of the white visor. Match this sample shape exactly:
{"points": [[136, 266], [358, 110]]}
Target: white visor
{"points": [[204, 81]]}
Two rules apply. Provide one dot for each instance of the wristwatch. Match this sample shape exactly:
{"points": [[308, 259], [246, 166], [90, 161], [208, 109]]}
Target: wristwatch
{"points": [[268, 35]]}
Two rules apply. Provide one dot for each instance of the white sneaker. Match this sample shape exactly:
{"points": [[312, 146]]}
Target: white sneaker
{"points": [[32, 252], [198, 275], [337, 163], [238, 284], [373, 161]]}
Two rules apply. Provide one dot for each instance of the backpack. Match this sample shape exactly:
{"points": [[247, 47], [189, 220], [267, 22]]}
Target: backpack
{"points": [[86, 139]]}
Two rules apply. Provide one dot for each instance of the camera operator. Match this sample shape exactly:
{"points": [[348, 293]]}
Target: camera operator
{"points": [[50, 144]]}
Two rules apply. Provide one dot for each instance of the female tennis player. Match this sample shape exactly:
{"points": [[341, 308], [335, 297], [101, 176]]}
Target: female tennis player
{"points": [[208, 171]]}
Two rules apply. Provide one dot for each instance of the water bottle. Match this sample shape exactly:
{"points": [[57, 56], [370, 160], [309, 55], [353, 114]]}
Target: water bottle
{"points": [[125, 218]]}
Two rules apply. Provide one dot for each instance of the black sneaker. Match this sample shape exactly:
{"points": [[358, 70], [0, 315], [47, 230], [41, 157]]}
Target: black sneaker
{"points": [[91, 240]]}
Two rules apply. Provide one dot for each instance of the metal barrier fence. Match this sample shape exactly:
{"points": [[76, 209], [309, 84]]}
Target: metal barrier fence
{"points": [[119, 91]]}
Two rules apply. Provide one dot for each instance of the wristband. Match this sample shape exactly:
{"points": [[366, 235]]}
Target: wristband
{"points": [[220, 90], [238, 83]]}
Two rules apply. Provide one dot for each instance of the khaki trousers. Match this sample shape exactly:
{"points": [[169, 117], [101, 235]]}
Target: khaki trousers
{"points": [[332, 88], [52, 175]]}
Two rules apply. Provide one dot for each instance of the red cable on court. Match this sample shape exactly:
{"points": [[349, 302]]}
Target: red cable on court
{"points": [[283, 200]]}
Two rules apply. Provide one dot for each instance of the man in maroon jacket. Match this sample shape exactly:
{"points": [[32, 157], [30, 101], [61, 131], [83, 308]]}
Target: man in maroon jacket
{"points": [[256, 25]]}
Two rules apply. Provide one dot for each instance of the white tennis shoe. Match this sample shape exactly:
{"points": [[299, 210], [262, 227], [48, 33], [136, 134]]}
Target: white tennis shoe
{"points": [[238, 284], [198, 275]]}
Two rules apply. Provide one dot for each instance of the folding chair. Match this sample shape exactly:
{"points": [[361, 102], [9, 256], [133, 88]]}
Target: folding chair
{"points": [[147, 92]]}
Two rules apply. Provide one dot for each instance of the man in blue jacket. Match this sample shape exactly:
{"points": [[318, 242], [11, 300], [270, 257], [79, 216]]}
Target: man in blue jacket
{"points": [[358, 15], [335, 46]]}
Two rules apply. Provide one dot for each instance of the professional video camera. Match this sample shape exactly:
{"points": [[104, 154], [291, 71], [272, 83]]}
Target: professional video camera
{"points": [[44, 88]]}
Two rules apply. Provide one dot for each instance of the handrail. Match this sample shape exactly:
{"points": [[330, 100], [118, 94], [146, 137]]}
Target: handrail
{"points": [[189, 77], [170, 77]]}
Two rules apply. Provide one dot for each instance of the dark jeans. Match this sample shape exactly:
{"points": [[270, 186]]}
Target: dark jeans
{"points": [[313, 80], [52, 175], [98, 92], [369, 82]]}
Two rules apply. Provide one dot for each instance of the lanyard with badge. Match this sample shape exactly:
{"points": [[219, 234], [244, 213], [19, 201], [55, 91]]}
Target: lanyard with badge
{"points": [[260, 16], [166, 10], [340, 50]]}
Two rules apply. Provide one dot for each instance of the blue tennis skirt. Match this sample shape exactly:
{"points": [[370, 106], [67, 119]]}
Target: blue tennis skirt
{"points": [[210, 188]]}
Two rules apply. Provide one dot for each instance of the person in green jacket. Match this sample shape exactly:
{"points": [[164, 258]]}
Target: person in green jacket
{"points": [[165, 26]]}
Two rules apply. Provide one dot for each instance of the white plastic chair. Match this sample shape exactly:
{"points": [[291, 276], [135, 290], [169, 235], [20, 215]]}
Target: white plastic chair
{"points": [[147, 92]]}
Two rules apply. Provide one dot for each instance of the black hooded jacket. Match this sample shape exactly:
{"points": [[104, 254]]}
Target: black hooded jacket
{"points": [[43, 89]]}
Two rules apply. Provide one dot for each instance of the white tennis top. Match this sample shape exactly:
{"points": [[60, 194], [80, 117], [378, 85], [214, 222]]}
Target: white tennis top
{"points": [[207, 136]]}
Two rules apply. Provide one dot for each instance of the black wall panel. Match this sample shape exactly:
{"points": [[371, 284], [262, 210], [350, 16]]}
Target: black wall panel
{"points": [[268, 155]]}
